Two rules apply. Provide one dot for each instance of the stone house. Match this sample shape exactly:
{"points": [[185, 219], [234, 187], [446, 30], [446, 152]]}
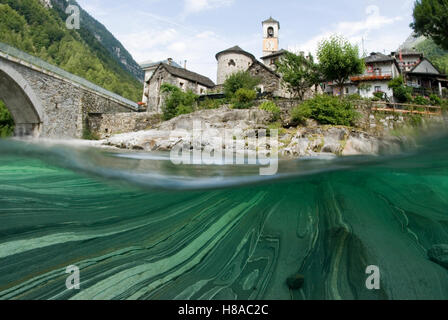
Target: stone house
{"points": [[270, 60], [426, 79], [270, 81], [149, 67], [380, 70], [180, 77]]}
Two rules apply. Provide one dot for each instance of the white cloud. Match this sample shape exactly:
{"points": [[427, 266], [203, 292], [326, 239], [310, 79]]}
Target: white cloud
{"points": [[180, 43], [195, 6], [375, 30]]}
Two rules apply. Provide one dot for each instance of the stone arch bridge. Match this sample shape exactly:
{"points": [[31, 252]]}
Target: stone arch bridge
{"points": [[46, 101]]}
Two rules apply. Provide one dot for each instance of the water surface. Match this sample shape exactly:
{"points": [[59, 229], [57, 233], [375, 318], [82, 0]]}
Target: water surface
{"points": [[139, 227]]}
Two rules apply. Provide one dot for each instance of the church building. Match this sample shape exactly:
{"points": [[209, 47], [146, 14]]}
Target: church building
{"points": [[229, 61], [236, 59]]}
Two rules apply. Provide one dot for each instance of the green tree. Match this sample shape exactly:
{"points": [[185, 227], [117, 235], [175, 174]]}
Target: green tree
{"points": [[177, 102], [437, 55], [6, 121], [299, 73], [239, 80], [431, 20], [339, 60]]}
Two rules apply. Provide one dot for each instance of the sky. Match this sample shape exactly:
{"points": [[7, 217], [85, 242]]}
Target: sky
{"points": [[195, 30]]}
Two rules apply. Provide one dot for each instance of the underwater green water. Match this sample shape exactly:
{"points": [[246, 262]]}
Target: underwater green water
{"points": [[139, 227]]}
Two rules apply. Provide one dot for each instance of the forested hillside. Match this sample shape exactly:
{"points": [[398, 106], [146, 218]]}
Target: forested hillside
{"points": [[437, 55], [40, 31], [98, 37]]}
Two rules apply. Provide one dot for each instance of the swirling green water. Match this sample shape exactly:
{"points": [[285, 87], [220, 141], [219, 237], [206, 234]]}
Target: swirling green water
{"points": [[139, 227]]}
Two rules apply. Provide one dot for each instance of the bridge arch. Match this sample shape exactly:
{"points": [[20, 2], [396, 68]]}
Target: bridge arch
{"points": [[22, 102]]}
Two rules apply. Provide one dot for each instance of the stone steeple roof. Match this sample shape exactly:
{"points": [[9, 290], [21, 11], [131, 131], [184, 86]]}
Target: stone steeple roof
{"points": [[236, 49], [271, 20]]}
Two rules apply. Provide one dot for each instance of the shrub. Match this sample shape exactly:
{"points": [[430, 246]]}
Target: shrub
{"points": [[177, 102], [212, 103], [275, 126], [239, 80], [6, 122], [444, 106], [403, 94], [301, 113], [87, 134], [379, 95], [435, 100], [181, 109], [243, 98], [353, 97], [326, 110], [245, 95], [415, 120], [421, 101], [396, 83], [271, 107]]}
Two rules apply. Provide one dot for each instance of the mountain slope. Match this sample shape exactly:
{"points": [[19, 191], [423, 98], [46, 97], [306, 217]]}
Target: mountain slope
{"points": [[412, 41], [437, 55], [40, 30], [430, 49], [96, 35]]}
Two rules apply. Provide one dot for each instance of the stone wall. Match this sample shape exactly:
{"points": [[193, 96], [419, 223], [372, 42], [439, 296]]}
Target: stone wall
{"points": [[269, 81], [106, 125], [380, 122]]}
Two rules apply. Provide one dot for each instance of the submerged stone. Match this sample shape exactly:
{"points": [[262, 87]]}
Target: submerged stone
{"points": [[439, 254], [296, 281]]}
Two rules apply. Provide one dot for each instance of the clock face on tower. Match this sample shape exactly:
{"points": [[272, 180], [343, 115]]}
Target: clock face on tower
{"points": [[270, 45]]}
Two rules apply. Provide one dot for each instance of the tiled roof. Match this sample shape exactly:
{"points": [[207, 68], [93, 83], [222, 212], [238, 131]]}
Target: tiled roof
{"points": [[378, 57], [257, 63], [275, 54], [189, 75], [236, 49]]}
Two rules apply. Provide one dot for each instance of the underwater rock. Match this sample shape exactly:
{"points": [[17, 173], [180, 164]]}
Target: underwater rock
{"points": [[296, 281], [439, 254]]}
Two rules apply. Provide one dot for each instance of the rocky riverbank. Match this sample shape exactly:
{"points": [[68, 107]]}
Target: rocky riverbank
{"points": [[302, 141]]}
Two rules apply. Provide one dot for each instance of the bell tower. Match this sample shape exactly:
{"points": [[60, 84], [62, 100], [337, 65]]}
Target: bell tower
{"points": [[271, 28]]}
